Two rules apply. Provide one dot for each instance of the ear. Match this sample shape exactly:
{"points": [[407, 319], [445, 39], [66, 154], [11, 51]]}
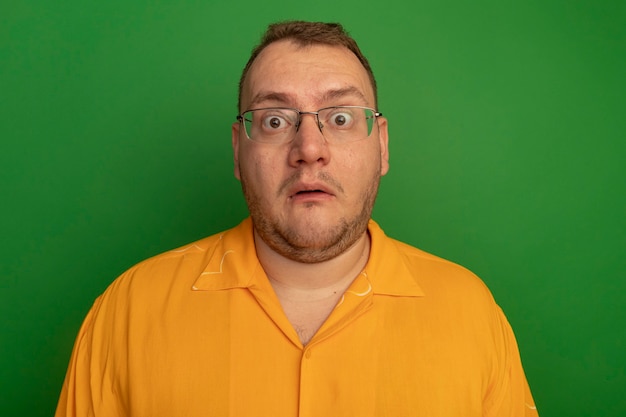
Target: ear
{"points": [[383, 137], [235, 143]]}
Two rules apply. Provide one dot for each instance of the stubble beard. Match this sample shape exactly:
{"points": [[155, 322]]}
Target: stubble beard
{"points": [[319, 243]]}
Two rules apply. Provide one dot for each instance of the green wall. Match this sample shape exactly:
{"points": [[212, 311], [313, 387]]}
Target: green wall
{"points": [[507, 124]]}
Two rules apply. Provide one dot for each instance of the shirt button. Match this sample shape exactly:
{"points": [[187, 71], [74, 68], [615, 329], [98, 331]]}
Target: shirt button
{"points": [[307, 353]]}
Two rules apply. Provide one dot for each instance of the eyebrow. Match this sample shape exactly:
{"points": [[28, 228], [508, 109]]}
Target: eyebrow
{"points": [[287, 99]]}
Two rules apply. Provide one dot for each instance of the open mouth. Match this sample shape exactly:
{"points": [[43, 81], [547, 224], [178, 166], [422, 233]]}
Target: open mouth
{"points": [[310, 192], [312, 195], [305, 191]]}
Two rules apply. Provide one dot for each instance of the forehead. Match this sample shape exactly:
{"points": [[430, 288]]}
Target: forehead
{"points": [[285, 73]]}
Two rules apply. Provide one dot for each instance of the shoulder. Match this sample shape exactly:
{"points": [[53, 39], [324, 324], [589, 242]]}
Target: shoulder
{"points": [[433, 272], [438, 278], [171, 271], [181, 261]]}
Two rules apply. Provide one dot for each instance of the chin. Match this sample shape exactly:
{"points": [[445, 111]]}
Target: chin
{"points": [[311, 241]]}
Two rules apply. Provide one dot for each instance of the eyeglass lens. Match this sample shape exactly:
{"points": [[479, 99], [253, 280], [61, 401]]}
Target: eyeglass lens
{"points": [[338, 124]]}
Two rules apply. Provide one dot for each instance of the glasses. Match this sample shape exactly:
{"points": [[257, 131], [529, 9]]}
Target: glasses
{"points": [[280, 124]]}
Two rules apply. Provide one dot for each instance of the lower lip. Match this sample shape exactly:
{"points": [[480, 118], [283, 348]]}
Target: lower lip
{"points": [[311, 197]]}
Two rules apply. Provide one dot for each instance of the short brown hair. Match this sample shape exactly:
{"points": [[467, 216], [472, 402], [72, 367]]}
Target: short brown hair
{"points": [[306, 34]]}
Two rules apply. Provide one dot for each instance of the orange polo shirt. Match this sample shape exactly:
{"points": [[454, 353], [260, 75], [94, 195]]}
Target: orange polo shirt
{"points": [[199, 331]]}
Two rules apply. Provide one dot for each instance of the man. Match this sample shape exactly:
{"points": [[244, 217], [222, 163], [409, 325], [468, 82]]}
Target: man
{"points": [[306, 308]]}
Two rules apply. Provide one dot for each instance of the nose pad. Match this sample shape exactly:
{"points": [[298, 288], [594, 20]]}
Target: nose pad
{"points": [[320, 126], [307, 146]]}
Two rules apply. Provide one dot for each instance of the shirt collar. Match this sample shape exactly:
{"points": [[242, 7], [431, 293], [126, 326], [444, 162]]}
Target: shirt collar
{"points": [[387, 268], [234, 264]]}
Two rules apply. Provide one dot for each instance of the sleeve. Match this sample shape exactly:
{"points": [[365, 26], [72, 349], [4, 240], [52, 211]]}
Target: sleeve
{"points": [[85, 391], [509, 393]]}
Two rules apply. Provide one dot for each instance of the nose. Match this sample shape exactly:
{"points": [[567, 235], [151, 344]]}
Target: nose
{"points": [[309, 146]]}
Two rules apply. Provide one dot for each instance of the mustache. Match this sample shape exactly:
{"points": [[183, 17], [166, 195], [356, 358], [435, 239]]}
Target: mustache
{"points": [[322, 176]]}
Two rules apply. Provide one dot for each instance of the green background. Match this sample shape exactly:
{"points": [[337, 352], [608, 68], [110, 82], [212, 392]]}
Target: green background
{"points": [[507, 124]]}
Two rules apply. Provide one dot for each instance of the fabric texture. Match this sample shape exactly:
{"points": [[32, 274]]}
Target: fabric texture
{"points": [[199, 331]]}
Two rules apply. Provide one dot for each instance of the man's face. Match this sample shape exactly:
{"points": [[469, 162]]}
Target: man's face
{"points": [[309, 199]]}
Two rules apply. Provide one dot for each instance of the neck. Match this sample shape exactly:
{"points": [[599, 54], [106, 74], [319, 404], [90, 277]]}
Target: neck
{"points": [[308, 292], [335, 274]]}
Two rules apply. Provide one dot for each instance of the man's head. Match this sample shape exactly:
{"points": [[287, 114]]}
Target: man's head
{"points": [[310, 194], [305, 34]]}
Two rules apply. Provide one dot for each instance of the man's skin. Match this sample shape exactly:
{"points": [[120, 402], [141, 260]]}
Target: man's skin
{"points": [[311, 245]]}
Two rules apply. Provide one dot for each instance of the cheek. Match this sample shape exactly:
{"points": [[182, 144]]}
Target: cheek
{"points": [[352, 160], [359, 164], [260, 170], [354, 172]]}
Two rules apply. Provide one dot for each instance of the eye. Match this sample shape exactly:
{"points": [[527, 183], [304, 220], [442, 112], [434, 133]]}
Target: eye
{"points": [[341, 119], [274, 122]]}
